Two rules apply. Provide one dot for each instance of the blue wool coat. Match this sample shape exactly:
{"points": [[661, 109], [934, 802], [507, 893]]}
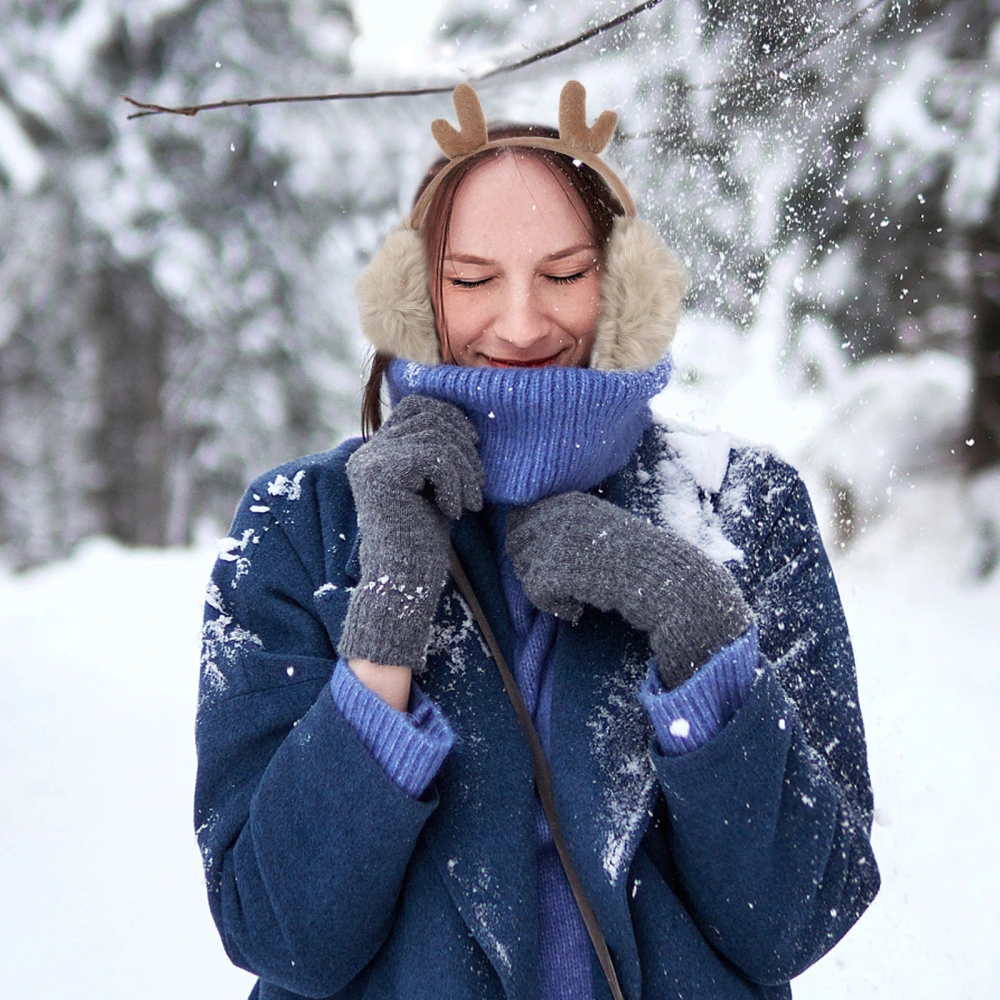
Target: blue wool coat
{"points": [[721, 873]]}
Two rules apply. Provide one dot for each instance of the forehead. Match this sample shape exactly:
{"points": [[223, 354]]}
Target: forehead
{"points": [[516, 204]]}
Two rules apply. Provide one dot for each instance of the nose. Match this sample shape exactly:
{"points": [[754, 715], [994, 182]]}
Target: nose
{"points": [[519, 321]]}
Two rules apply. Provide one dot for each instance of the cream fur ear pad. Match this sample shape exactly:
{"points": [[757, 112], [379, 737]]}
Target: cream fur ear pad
{"points": [[642, 285]]}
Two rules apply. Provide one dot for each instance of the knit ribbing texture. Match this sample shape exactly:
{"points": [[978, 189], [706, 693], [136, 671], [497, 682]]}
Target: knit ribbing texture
{"points": [[542, 431], [411, 746], [690, 716]]}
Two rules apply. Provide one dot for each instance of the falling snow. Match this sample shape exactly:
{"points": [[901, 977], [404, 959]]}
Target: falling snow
{"points": [[827, 348]]}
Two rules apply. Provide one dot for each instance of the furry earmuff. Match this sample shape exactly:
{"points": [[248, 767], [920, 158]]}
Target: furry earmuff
{"points": [[394, 299], [641, 290]]}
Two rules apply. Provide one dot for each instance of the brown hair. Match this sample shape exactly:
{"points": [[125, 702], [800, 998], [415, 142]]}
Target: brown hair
{"points": [[600, 204]]}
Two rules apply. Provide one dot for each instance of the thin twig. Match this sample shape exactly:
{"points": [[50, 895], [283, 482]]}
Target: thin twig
{"points": [[721, 84], [251, 102], [193, 109], [579, 40]]}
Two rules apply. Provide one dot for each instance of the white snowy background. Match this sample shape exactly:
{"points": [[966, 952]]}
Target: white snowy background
{"points": [[100, 879], [102, 892]]}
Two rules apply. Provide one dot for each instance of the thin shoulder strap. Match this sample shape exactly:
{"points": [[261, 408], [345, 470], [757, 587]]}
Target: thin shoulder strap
{"points": [[543, 779]]}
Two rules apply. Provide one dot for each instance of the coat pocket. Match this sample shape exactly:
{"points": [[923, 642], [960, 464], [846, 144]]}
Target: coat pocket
{"points": [[264, 671]]}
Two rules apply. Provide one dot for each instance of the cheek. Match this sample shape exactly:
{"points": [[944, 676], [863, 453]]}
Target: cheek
{"points": [[579, 308], [584, 326], [465, 315]]}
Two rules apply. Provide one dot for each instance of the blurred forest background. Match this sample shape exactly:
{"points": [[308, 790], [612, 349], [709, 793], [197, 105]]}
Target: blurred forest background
{"points": [[176, 308], [177, 315]]}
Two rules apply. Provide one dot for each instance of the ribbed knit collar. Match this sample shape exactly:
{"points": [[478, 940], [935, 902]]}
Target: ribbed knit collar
{"points": [[543, 431]]}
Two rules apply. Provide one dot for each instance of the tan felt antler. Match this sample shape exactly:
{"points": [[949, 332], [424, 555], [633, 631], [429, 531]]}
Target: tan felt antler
{"points": [[471, 120], [573, 128], [575, 140]]}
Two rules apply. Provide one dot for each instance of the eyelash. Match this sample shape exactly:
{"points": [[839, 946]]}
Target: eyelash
{"points": [[459, 283], [557, 279]]}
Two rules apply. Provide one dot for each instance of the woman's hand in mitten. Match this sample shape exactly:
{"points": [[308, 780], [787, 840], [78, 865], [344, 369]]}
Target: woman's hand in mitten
{"points": [[418, 470], [575, 549]]}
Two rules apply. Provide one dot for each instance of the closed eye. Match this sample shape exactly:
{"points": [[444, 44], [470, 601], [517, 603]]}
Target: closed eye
{"points": [[460, 283], [567, 279]]}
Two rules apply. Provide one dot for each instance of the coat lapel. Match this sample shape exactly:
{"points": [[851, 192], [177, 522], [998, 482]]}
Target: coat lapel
{"points": [[601, 736], [604, 780], [483, 835]]}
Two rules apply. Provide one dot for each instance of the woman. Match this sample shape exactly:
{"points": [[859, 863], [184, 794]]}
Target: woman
{"points": [[365, 801]]}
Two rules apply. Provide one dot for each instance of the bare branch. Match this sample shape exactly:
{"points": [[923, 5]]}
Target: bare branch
{"points": [[190, 111], [579, 40], [768, 72], [250, 102]]}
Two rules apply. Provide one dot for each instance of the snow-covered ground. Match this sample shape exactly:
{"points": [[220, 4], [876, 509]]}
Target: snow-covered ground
{"points": [[102, 893], [927, 640], [101, 880]]}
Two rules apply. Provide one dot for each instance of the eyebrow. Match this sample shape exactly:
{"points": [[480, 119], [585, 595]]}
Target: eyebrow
{"points": [[468, 258]]}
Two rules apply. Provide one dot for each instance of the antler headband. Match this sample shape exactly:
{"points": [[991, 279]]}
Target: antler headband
{"points": [[576, 140]]}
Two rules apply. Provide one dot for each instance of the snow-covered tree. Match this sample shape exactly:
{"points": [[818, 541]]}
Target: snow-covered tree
{"points": [[838, 160], [926, 168], [177, 310]]}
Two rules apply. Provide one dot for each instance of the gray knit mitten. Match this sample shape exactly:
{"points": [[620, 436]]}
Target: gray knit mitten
{"points": [[575, 549], [417, 471]]}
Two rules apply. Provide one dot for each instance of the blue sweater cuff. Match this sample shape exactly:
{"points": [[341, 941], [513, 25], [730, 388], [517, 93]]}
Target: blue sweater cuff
{"points": [[410, 746], [687, 717]]}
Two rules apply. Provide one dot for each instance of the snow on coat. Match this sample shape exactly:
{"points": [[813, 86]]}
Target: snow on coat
{"points": [[721, 873]]}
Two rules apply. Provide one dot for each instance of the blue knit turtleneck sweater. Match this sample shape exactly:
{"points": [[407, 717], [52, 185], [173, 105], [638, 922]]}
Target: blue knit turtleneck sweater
{"points": [[546, 431], [541, 433]]}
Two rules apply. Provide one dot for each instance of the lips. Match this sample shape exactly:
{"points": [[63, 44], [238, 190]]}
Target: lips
{"points": [[512, 363]]}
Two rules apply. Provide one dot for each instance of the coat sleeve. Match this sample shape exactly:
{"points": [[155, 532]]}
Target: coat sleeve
{"points": [[410, 746], [305, 839], [769, 823]]}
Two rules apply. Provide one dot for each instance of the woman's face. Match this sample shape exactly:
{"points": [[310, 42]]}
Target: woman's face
{"points": [[521, 282]]}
